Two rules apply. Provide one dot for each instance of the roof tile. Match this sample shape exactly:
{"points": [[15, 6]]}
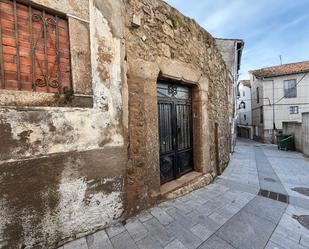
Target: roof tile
{"points": [[286, 69]]}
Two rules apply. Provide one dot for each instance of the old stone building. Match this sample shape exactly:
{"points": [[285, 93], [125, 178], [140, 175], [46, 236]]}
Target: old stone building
{"points": [[101, 103]]}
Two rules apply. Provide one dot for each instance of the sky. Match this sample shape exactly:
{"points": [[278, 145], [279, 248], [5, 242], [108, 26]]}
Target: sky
{"points": [[270, 28]]}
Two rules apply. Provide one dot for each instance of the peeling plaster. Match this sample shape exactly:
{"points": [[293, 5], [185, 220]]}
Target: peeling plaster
{"points": [[106, 65], [78, 212], [40, 133], [64, 198], [78, 201]]}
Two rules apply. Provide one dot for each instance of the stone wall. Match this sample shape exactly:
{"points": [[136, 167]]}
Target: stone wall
{"points": [[305, 133], [71, 167], [300, 132], [63, 163], [295, 129], [164, 43]]}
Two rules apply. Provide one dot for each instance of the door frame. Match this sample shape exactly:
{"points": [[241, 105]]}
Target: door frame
{"points": [[143, 169], [175, 142]]}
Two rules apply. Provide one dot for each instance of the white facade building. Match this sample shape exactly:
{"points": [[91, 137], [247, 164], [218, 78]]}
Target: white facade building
{"points": [[244, 110], [279, 94], [244, 103], [231, 50]]}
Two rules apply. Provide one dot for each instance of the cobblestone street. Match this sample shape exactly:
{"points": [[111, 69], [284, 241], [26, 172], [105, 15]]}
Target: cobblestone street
{"points": [[230, 213]]}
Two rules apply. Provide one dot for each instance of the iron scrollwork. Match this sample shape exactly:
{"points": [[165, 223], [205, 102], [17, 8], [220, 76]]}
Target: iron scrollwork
{"points": [[172, 90], [51, 75]]}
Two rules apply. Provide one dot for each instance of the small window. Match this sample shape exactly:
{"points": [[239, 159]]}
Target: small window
{"points": [[294, 110], [245, 117], [34, 49], [290, 89], [257, 95], [242, 105], [244, 94], [261, 115]]}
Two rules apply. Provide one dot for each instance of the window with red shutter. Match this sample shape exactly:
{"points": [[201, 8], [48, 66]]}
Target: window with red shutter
{"points": [[34, 49]]}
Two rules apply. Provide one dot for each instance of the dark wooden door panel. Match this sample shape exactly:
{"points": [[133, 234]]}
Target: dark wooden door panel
{"points": [[165, 127], [167, 163], [175, 130], [183, 112]]}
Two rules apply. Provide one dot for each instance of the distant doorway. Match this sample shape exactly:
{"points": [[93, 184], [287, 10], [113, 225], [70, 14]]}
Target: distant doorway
{"points": [[175, 130]]}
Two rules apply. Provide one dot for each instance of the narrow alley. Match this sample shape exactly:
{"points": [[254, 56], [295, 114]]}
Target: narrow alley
{"points": [[152, 124], [231, 213]]}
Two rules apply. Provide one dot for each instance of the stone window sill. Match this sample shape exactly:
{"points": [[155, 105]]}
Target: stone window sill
{"points": [[41, 99]]}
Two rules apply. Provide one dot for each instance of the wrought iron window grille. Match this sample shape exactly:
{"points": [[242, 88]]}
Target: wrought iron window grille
{"points": [[46, 72], [49, 25]]}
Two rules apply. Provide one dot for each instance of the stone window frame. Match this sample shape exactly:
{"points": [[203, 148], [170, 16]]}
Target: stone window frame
{"points": [[78, 96]]}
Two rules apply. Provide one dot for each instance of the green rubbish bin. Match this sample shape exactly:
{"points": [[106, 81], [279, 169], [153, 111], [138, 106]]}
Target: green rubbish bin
{"points": [[285, 142]]}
